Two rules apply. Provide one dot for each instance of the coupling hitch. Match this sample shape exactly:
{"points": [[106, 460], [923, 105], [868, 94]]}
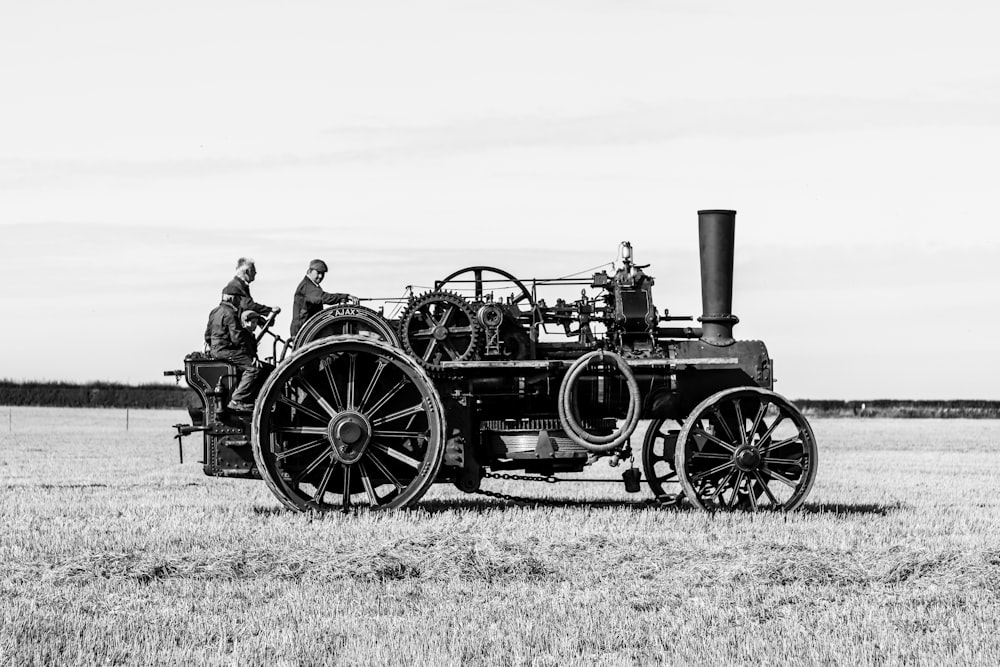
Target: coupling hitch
{"points": [[182, 430]]}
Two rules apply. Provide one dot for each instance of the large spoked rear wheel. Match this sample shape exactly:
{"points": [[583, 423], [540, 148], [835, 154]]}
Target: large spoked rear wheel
{"points": [[345, 422], [746, 448]]}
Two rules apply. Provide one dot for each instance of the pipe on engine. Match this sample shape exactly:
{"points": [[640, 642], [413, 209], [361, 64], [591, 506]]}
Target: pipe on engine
{"points": [[716, 234]]}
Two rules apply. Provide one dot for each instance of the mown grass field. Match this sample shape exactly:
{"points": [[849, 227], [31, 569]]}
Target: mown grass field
{"points": [[112, 553]]}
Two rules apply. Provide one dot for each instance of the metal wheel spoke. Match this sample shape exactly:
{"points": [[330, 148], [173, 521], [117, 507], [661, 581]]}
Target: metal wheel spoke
{"points": [[382, 363], [281, 456], [784, 443], [701, 455], [767, 491], [423, 333], [753, 496], [430, 348], [328, 371], [385, 471], [399, 414], [760, 416], [736, 489], [312, 466], [724, 466], [367, 483], [705, 434], [345, 502], [460, 330], [397, 434], [722, 423], [302, 430], [722, 486], [295, 405], [311, 390], [781, 478], [387, 397], [321, 489], [398, 455], [741, 421], [352, 373], [770, 429]]}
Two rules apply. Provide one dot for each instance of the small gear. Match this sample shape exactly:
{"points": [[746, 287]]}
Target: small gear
{"points": [[439, 326]]}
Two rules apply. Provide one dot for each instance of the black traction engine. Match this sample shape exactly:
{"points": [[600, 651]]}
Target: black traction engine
{"points": [[361, 410]]}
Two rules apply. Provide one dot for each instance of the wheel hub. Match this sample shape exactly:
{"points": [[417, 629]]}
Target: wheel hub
{"points": [[440, 333], [747, 458], [349, 433]]}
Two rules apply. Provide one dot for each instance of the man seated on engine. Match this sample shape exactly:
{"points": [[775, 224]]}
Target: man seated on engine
{"points": [[226, 338], [310, 298], [246, 273]]}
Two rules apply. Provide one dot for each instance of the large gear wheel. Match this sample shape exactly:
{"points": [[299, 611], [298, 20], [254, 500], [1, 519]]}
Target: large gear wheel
{"points": [[439, 326]]}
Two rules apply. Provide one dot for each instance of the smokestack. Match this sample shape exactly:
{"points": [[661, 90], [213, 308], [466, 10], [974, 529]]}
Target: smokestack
{"points": [[716, 232]]}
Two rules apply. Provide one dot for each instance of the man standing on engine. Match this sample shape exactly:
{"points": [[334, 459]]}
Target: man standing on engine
{"points": [[227, 338], [246, 271], [310, 298]]}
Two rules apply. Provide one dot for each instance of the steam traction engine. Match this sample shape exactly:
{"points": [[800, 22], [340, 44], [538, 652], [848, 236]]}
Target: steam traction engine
{"points": [[366, 411]]}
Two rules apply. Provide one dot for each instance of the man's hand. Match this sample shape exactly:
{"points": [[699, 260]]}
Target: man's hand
{"points": [[355, 301]]}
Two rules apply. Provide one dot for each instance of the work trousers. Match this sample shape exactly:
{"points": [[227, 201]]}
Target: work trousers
{"points": [[247, 388]]}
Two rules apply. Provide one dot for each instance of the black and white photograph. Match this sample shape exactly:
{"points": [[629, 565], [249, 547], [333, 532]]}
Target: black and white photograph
{"points": [[542, 333]]}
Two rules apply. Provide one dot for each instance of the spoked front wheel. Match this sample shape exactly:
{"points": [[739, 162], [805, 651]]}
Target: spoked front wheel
{"points": [[746, 448], [348, 422]]}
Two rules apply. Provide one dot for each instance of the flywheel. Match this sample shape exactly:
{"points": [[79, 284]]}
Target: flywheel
{"points": [[439, 326]]}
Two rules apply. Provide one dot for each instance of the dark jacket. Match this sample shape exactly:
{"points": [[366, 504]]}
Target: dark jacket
{"points": [[241, 290], [224, 335], [309, 300]]}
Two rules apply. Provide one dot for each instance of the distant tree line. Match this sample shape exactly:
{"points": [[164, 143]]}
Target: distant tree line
{"points": [[887, 407], [115, 395], [96, 395]]}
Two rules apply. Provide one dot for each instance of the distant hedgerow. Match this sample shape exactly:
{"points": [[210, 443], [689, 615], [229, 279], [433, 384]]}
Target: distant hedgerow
{"points": [[95, 395]]}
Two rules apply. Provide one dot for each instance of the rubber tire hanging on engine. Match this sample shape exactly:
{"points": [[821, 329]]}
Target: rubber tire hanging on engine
{"points": [[569, 416]]}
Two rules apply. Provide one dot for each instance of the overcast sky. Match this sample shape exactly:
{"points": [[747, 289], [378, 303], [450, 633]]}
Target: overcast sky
{"points": [[145, 146]]}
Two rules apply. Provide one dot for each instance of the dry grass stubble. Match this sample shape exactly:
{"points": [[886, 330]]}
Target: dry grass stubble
{"points": [[113, 553]]}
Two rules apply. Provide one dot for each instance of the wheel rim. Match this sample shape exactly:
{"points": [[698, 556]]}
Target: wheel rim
{"points": [[747, 449], [346, 422], [345, 320], [658, 447]]}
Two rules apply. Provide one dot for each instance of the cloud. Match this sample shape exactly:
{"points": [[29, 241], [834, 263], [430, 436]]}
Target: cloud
{"points": [[649, 123]]}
